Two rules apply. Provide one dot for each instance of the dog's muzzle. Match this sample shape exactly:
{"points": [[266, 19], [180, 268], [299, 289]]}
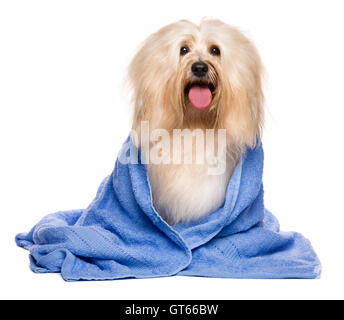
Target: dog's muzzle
{"points": [[200, 89]]}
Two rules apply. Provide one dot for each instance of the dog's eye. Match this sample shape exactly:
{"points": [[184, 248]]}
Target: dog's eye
{"points": [[215, 51], [184, 50]]}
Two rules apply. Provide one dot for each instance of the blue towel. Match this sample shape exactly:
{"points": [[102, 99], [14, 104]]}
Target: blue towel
{"points": [[120, 235]]}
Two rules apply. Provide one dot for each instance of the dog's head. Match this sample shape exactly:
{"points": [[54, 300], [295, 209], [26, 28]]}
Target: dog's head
{"points": [[206, 76]]}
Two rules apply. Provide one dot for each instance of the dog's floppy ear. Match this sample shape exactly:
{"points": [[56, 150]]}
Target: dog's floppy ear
{"points": [[136, 83], [243, 74]]}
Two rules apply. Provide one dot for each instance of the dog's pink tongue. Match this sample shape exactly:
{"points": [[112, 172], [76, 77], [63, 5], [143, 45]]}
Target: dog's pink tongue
{"points": [[200, 97]]}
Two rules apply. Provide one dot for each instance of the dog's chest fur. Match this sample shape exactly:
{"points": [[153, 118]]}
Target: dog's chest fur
{"points": [[187, 192]]}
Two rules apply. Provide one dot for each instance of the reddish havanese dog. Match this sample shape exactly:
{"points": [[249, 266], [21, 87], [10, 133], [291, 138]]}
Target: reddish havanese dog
{"points": [[188, 77]]}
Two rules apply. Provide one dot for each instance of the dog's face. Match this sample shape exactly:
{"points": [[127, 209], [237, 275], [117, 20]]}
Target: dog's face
{"points": [[206, 76]]}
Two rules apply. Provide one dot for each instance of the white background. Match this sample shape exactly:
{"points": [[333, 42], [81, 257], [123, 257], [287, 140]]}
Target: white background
{"points": [[65, 113]]}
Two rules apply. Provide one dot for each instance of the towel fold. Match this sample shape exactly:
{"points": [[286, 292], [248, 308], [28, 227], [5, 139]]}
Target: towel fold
{"points": [[120, 235]]}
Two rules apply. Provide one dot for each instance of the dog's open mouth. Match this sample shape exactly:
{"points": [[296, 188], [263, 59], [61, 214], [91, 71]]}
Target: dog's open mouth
{"points": [[200, 94]]}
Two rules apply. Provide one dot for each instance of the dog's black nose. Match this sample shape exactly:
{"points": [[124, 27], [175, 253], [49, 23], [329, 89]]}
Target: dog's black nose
{"points": [[199, 69]]}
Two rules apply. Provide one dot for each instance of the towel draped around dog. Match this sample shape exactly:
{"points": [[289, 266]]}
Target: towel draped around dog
{"points": [[120, 235]]}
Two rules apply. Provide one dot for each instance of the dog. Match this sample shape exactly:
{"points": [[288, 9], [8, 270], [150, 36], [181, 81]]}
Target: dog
{"points": [[187, 77]]}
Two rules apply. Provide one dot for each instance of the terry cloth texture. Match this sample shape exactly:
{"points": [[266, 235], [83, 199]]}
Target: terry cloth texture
{"points": [[120, 235]]}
